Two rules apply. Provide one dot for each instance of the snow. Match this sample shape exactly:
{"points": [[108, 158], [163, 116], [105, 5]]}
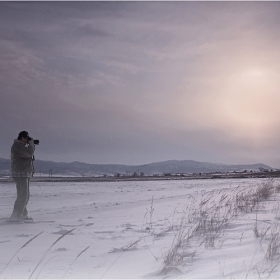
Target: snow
{"points": [[124, 230]]}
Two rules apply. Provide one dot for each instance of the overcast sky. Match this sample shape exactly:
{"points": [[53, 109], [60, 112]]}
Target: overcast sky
{"points": [[141, 82]]}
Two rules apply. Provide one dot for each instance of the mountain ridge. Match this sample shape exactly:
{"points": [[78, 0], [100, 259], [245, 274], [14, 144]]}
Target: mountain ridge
{"points": [[77, 168]]}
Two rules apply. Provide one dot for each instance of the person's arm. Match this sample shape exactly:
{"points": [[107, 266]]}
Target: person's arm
{"points": [[23, 151]]}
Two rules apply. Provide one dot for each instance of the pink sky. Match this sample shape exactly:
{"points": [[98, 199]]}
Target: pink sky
{"points": [[140, 82]]}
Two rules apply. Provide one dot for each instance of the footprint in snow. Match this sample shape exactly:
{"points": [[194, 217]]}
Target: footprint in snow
{"points": [[61, 249]]}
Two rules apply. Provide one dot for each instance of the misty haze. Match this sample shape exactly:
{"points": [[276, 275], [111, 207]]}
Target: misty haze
{"points": [[159, 140]]}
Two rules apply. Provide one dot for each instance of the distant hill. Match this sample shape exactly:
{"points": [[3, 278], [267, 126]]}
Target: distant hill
{"points": [[171, 166]]}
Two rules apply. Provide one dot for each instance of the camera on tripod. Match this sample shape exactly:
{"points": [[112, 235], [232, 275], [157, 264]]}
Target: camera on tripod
{"points": [[36, 142]]}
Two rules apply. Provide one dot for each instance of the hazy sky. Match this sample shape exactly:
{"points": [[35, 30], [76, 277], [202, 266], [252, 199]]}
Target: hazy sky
{"points": [[141, 82]]}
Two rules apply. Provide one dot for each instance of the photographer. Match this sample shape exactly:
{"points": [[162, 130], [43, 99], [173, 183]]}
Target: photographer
{"points": [[22, 157]]}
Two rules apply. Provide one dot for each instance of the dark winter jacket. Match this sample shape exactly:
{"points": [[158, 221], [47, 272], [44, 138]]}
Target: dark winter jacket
{"points": [[22, 159]]}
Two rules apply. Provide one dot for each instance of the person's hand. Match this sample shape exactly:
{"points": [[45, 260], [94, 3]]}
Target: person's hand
{"points": [[31, 142]]}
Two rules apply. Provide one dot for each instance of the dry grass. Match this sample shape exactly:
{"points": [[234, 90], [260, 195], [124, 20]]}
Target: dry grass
{"points": [[179, 250], [273, 245], [75, 260], [19, 250], [205, 221], [131, 246], [43, 257]]}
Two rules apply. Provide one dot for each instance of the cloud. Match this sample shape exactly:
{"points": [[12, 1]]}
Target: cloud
{"points": [[136, 82]]}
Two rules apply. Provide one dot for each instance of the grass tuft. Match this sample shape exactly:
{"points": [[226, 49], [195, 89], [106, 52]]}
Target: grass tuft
{"points": [[211, 216], [19, 250], [75, 260], [43, 257]]}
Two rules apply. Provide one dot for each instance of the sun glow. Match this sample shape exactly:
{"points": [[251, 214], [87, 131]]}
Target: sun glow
{"points": [[251, 98], [242, 102], [254, 73], [246, 105]]}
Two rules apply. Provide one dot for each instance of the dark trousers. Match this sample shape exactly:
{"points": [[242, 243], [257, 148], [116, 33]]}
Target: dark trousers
{"points": [[22, 184]]}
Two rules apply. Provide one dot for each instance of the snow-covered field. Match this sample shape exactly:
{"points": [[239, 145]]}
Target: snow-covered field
{"points": [[159, 229]]}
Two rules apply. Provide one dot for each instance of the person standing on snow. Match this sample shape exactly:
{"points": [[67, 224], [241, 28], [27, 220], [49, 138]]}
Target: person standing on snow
{"points": [[22, 169]]}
